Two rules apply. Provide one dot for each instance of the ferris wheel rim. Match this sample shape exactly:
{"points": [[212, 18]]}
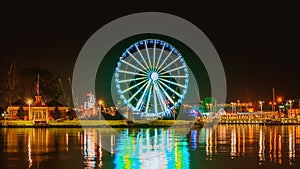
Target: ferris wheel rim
{"points": [[151, 74]]}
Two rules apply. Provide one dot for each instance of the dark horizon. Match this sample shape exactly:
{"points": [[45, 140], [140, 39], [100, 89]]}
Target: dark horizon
{"points": [[257, 43]]}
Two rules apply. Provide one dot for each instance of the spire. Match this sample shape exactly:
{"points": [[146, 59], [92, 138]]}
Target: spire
{"points": [[37, 87]]}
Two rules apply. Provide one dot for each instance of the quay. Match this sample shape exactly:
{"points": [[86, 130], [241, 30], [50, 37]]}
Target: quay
{"points": [[102, 123], [253, 120]]}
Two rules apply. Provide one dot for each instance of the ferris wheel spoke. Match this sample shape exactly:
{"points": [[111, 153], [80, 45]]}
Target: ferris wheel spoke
{"points": [[166, 58], [154, 51], [173, 69], [160, 98], [148, 100], [174, 83], [130, 80], [126, 90], [174, 76], [169, 64], [166, 94], [132, 73], [142, 97], [136, 92], [168, 87], [161, 52], [151, 77], [137, 61], [155, 100], [129, 64], [147, 52], [141, 55]]}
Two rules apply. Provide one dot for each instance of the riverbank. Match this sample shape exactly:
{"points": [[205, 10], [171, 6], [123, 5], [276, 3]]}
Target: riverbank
{"points": [[101, 123], [148, 123], [264, 121]]}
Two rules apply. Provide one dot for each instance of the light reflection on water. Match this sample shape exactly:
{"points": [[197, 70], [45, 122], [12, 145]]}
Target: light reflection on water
{"points": [[151, 148], [229, 146]]}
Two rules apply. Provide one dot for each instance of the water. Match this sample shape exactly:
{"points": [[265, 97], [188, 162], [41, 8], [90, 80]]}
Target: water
{"points": [[228, 146]]}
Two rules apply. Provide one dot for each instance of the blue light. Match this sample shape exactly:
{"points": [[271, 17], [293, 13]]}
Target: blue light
{"points": [[185, 70], [194, 139], [179, 101]]}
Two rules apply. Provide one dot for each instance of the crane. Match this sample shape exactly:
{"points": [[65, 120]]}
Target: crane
{"points": [[75, 101], [64, 93]]}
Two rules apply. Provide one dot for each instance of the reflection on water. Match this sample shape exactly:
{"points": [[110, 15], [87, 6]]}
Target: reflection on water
{"points": [[151, 148], [229, 146]]}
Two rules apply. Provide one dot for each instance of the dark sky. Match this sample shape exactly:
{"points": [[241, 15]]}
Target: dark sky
{"points": [[258, 42]]}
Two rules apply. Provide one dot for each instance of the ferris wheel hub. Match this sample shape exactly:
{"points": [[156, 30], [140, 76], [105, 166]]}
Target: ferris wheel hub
{"points": [[154, 76], [151, 77]]}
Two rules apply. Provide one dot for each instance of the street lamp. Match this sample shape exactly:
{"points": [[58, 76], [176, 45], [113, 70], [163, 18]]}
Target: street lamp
{"points": [[233, 107], [290, 101], [261, 104], [174, 113], [29, 101], [100, 102]]}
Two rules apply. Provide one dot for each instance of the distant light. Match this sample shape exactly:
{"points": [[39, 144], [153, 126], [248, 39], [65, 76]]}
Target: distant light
{"points": [[279, 99]]}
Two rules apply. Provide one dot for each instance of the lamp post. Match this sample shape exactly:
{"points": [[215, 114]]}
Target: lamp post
{"points": [[261, 104], [29, 103], [100, 102], [290, 101], [233, 107]]}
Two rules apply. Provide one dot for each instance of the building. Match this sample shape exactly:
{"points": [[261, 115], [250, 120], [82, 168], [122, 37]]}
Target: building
{"points": [[38, 111]]}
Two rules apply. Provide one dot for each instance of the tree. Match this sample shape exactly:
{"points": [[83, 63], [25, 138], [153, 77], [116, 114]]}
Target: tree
{"points": [[1, 89], [1, 113], [56, 114], [11, 82], [21, 113], [71, 114], [48, 82], [207, 104]]}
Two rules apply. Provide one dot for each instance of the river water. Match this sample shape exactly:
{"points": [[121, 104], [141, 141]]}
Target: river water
{"points": [[225, 147]]}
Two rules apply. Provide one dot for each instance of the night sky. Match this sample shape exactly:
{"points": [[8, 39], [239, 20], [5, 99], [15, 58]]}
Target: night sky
{"points": [[257, 42]]}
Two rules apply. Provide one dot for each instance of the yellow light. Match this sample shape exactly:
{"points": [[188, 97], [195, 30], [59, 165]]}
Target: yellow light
{"points": [[29, 101], [279, 99]]}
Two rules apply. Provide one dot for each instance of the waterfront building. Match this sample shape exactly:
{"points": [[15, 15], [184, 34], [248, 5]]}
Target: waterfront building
{"points": [[37, 111]]}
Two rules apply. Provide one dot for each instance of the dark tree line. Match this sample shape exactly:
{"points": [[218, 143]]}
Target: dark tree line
{"points": [[48, 83], [21, 84]]}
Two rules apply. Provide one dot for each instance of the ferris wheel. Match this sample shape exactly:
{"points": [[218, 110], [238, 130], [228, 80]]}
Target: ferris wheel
{"points": [[151, 78]]}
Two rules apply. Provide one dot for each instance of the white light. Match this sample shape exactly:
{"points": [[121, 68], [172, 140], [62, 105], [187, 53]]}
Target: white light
{"points": [[154, 76]]}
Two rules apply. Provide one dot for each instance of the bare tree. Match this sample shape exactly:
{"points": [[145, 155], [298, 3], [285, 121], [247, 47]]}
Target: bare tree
{"points": [[11, 82]]}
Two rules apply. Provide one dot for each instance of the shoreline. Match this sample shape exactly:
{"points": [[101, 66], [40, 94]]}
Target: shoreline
{"points": [[99, 124], [143, 123]]}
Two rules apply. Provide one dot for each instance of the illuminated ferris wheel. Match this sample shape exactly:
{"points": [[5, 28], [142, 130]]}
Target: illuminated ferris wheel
{"points": [[151, 78]]}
